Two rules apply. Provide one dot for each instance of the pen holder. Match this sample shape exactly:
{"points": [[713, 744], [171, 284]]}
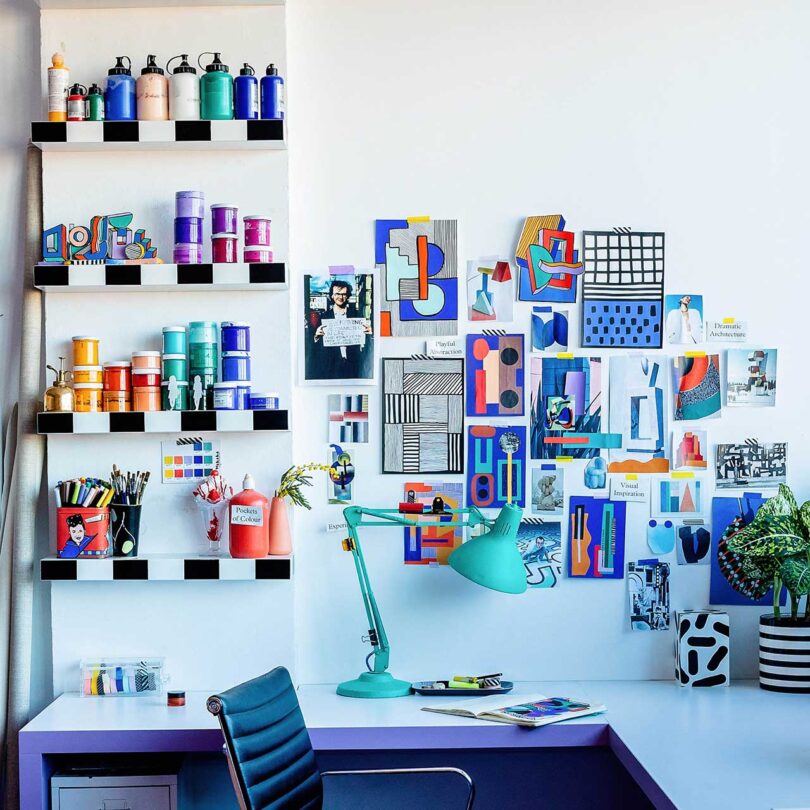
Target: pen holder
{"points": [[82, 532], [126, 525]]}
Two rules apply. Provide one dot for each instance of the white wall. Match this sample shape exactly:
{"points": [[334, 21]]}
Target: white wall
{"points": [[686, 117]]}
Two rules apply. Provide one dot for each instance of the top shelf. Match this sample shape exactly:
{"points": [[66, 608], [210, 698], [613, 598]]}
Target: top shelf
{"points": [[48, 4], [81, 136]]}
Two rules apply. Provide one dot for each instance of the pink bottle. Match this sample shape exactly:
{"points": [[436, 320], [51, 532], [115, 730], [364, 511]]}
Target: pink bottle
{"points": [[250, 521], [152, 93]]}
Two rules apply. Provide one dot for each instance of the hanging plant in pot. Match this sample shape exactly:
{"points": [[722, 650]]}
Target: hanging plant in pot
{"points": [[290, 487], [774, 551]]}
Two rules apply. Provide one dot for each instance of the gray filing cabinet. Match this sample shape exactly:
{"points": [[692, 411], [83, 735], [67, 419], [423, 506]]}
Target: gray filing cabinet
{"points": [[141, 792]]}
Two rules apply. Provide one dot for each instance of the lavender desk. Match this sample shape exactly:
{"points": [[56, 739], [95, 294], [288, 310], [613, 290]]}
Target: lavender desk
{"points": [[687, 749]]}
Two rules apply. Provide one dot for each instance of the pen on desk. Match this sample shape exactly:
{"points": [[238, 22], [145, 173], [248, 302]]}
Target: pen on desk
{"points": [[57, 492]]}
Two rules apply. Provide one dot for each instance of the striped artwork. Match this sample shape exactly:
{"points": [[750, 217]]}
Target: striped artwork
{"points": [[423, 415]]}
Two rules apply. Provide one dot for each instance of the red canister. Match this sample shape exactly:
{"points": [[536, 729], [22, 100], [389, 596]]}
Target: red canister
{"points": [[146, 378], [250, 522], [224, 247], [118, 375]]}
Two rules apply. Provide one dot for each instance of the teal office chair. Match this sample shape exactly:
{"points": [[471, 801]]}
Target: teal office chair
{"points": [[270, 756]]}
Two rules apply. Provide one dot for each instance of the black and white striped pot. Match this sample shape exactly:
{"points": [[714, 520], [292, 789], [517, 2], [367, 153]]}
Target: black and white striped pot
{"points": [[784, 654]]}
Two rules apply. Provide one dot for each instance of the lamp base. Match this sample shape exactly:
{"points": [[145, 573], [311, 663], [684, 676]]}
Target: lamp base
{"points": [[374, 685]]}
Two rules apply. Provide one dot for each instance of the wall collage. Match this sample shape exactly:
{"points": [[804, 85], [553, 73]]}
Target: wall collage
{"points": [[603, 408]]}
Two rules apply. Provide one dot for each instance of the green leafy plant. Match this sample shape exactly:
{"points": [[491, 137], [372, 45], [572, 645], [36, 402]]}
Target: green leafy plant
{"points": [[775, 547], [292, 483]]}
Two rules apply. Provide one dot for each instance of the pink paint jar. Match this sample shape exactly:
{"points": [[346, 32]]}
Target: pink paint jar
{"points": [[224, 248], [117, 375], [146, 378], [258, 255], [224, 218], [145, 360], [257, 231]]}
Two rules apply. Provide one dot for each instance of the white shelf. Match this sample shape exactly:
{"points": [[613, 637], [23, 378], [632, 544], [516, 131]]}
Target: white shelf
{"points": [[90, 278], [164, 568], [79, 4]]}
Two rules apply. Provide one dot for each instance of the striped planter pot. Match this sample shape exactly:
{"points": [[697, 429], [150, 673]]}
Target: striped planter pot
{"points": [[784, 654]]}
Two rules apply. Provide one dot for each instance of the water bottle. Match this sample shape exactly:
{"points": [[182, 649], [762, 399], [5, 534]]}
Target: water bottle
{"points": [[119, 95], [216, 90]]}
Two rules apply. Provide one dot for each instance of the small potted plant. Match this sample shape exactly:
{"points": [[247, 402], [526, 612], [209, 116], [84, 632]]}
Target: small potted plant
{"points": [[290, 487], [774, 551]]}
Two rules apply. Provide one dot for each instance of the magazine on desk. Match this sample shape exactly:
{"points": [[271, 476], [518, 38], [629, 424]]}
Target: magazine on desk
{"points": [[531, 712]]}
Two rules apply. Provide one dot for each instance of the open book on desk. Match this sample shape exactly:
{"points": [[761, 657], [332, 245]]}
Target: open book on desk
{"points": [[530, 712]]}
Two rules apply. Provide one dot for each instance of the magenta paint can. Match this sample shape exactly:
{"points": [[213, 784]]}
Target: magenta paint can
{"points": [[257, 231], [224, 247], [224, 218], [258, 255], [188, 230], [188, 254], [189, 204]]}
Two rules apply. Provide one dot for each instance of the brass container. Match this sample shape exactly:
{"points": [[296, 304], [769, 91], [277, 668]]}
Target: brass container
{"points": [[59, 397]]}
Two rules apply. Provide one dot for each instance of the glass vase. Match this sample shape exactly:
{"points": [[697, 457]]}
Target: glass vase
{"points": [[214, 516]]}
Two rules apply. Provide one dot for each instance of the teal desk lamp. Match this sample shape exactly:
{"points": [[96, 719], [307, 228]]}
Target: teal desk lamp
{"points": [[492, 559]]}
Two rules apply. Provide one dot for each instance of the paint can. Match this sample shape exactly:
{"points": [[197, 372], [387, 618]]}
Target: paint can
{"points": [[224, 248], [257, 231], [174, 395], [235, 336], [174, 340], [243, 395], [235, 366], [226, 396], [75, 524], [267, 401], [87, 397], [189, 204], [224, 218], [87, 374], [117, 375], [200, 389], [188, 230], [85, 351], [116, 401], [202, 332], [187, 253], [258, 255], [175, 365], [146, 360], [203, 356], [146, 378], [146, 399]]}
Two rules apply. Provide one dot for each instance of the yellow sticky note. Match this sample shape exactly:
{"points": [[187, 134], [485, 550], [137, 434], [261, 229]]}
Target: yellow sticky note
{"points": [[564, 458], [695, 354], [729, 320], [565, 356], [631, 477], [683, 475], [417, 219]]}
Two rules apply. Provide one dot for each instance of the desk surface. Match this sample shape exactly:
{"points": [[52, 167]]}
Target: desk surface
{"points": [[735, 747]]}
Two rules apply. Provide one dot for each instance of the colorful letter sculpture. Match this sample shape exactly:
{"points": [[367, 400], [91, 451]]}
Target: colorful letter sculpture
{"points": [[696, 384], [490, 290], [341, 475], [638, 408], [109, 239], [430, 542], [495, 374], [549, 330], [622, 289], [496, 466], [648, 587], [423, 419], [418, 265], [540, 544], [702, 648], [547, 262], [596, 537]]}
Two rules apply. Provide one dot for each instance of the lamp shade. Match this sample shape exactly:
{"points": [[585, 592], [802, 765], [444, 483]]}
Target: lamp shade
{"points": [[493, 559]]}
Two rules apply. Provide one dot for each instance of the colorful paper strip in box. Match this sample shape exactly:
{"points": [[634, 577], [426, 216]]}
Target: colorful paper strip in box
{"points": [[431, 541], [540, 544], [622, 289], [418, 264], [596, 537], [496, 466], [495, 374]]}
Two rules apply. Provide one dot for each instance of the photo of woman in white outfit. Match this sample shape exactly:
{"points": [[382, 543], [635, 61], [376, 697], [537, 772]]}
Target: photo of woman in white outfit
{"points": [[684, 321]]}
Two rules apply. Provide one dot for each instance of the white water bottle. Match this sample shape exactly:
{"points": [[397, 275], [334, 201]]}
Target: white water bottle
{"points": [[184, 91]]}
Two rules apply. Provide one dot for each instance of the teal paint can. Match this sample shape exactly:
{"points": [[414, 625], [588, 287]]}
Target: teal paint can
{"points": [[174, 340], [216, 90], [200, 389], [175, 365], [174, 396], [202, 332], [203, 356]]}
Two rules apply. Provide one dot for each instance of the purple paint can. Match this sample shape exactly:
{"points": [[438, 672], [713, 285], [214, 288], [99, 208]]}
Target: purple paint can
{"points": [[257, 231], [188, 230], [189, 204], [224, 218], [235, 336], [188, 254], [224, 247], [265, 401], [258, 255], [235, 366]]}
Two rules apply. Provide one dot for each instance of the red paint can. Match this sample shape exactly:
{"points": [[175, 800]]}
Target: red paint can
{"points": [[117, 375]]}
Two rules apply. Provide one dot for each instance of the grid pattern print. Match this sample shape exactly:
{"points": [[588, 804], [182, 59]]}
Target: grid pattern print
{"points": [[622, 289]]}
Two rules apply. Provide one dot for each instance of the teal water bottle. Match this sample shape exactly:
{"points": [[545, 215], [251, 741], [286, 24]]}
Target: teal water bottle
{"points": [[216, 90], [95, 103]]}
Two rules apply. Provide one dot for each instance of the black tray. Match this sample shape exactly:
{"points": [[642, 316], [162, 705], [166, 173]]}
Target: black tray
{"points": [[425, 688]]}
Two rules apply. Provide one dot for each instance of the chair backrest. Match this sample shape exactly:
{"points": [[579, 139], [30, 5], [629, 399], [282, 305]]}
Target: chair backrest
{"points": [[271, 757]]}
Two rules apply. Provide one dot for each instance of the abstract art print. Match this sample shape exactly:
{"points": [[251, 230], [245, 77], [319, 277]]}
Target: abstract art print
{"points": [[348, 418], [495, 374], [496, 466], [750, 464], [648, 588], [693, 542], [549, 329], [548, 264], [548, 489], [490, 290], [676, 495], [622, 289], [539, 542], [638, 410], [341, 475], [696, 387], [596, 529], [684, 322], [430, 542], [689, 448], [702, 647], [418, 263], [751, 377], [423, 415], [339, 328]]}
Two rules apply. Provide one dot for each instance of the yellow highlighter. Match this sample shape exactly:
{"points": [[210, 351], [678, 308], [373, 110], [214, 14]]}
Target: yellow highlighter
{"points": [[454, 684]]}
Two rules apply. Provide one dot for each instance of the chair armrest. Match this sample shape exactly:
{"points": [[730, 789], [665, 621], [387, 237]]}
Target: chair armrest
{"points": [[404, 771]]}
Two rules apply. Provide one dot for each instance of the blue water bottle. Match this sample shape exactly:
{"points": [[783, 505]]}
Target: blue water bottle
{"points": [[272, 94], [246, 94], [119, 95]]}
